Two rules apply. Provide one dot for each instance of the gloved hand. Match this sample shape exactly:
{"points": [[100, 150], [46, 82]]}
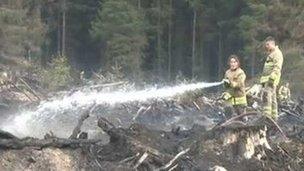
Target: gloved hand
{"points": [[226, 81], [226, 96], [272, 78]]}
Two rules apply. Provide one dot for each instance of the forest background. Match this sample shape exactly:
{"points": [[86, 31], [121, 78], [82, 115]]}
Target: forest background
{"points": [[149, 40]]}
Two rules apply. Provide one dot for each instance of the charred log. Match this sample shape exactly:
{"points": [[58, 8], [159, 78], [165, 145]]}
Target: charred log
{"points": [[44, 143]]}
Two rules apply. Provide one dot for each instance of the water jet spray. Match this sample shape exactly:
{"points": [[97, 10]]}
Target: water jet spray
{"points": [[36, 123]]}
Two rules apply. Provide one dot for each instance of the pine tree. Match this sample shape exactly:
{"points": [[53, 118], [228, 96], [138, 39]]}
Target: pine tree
{"points": [[120, 25], [195, 5], [21, 29]]}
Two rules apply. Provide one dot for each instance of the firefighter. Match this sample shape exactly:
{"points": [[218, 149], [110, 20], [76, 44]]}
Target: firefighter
{"points": [[271, 77], [284, 93], [234, 83]]}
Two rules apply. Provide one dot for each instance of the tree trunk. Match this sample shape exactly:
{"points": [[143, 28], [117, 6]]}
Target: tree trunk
{"points": [[44, 143], [193, 41], [139, 4], [253, 58], [63, 28], [159, 38], [220, 55], [170, 41], [253, 63], [59, 36]]}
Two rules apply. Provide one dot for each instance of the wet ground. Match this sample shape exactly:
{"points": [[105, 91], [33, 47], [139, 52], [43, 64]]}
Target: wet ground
{"points": [[172, 134]]}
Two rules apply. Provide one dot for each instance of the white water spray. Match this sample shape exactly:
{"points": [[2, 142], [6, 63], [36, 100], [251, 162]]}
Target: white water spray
{"points": [[36, 123]]}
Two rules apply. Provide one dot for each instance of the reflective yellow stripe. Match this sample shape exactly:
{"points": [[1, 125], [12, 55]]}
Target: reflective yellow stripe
{"points": [[264, 79], [267, 109], [277, 79], [238, 100], [267, 70], [269, 64]]}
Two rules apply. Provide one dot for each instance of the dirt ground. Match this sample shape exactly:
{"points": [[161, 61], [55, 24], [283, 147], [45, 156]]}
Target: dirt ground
{"points": [[170, 135]]}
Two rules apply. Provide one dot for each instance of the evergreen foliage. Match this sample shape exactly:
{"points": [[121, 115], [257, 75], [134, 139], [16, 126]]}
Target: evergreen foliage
{"points": [[120, 25], [21, 30], [155, 39], [58, 75]]}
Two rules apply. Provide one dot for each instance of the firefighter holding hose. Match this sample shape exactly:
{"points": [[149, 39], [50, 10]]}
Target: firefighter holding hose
{"points": [[234, 82]]}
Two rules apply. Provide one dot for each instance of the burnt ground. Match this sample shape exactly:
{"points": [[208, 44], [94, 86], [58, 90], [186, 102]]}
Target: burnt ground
{"points": [[171, 134]]}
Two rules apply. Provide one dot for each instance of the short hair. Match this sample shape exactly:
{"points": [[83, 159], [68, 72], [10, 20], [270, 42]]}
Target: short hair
{"points": [[269, 38], [233, 56]]}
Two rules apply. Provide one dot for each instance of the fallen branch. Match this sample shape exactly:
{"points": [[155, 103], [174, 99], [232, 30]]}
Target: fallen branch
{"points": [[86, 114], [15, 86], [118, 135], [43, 143], [292, 114], [105, 125], [174, 159], [97, 162], [278, 127], [284, 151], [235, 118], [30, 89], [107, 85], [196, 105], [98, 76], [174, 167], [141, 159], [140, 110], [129, 158]]}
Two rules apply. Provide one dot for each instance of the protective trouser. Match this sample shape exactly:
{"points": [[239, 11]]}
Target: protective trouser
{"points": [[270, 105], [239, 103]]}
